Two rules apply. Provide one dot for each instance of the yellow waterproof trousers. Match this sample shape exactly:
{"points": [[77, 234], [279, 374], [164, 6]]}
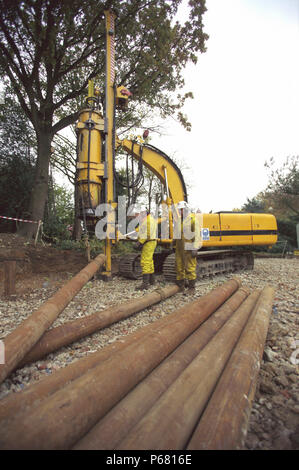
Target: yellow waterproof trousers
{"points": [[147, 254], [185, 264]]}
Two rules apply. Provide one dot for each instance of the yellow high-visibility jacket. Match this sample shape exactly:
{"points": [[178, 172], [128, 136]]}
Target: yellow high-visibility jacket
{"points": [[147, 229], [190, 233]]}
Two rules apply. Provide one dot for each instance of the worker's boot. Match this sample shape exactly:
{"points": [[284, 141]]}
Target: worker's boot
{"points": [[191, 286], [152, 279], [180, 283], [145, 282]]}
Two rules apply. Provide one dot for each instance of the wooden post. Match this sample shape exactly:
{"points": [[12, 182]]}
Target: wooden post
{"points": [[10, 277]]}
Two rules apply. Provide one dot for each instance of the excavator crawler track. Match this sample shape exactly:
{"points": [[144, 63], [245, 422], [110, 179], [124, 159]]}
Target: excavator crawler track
{"points": [[129, 266], [209, 263]]}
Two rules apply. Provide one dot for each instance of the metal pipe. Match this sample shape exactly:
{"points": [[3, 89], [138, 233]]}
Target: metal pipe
{"points": [[16, 402], [166, 181], [62, 419], [10, 277], [23, 338], [77, 329], [170, 422], [223, 424], [115, 425]]}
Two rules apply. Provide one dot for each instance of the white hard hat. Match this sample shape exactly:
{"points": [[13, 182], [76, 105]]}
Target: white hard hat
{"points": [[182, 205]]}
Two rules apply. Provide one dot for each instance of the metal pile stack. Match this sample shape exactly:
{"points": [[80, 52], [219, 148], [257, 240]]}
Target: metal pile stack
{"points": [[159, 388]]}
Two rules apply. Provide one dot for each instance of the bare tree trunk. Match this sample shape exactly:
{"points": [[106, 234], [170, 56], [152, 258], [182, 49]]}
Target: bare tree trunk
{"points": [[77, 227], [40, 189]]}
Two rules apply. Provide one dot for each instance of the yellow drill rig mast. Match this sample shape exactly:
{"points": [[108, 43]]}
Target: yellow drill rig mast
{"points": [[109, 115], [95, 137]]}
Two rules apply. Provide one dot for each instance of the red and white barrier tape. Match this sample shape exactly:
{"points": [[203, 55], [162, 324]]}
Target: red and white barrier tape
{"points": [[20, 220]]}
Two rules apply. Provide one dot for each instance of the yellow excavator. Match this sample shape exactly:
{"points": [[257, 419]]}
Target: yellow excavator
{"points": [[97, 143]]}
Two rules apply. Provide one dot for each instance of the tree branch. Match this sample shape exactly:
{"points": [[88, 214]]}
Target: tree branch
{"points": [[64, 122]]}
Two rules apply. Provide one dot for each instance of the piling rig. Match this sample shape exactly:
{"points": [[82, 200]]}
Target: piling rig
{"points": [[97, 143]]}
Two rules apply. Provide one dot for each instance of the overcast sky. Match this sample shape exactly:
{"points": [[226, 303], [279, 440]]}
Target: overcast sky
{"points": [[246, 102]]}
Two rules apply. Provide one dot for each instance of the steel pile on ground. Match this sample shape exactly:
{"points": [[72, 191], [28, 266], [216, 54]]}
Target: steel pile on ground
{"points": [[230, 405], [64, 417], [116, 424], [72, 331], [15, 403], [170, 422], [23, 338]]}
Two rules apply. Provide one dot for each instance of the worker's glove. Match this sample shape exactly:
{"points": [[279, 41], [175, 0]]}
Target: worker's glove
{"points": [[194, 253]]}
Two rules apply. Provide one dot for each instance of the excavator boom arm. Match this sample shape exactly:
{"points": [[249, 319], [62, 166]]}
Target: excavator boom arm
{"points": [[161, 165]]}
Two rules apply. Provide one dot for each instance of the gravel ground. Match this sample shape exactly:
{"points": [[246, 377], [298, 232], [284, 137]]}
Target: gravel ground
{"points": [[274, 420]]}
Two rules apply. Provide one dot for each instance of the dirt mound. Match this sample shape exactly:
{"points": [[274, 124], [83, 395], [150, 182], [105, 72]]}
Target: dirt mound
{"points": [[40, 258]]}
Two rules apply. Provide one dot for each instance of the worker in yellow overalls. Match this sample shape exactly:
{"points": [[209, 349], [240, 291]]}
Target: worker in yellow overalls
{"points": [[187, 244], [147, 241]]}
